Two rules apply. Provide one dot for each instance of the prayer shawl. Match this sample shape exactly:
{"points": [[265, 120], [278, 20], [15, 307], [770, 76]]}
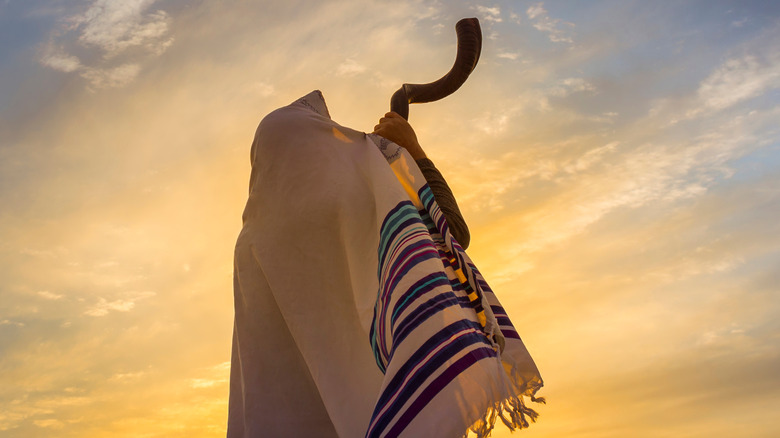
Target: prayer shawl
{"points": [[357, 312]]}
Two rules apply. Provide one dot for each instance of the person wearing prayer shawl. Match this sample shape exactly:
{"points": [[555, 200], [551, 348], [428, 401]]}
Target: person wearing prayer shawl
{"points": [[357, 311]]}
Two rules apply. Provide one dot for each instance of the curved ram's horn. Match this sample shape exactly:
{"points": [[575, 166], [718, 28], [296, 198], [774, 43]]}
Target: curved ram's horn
{"points": [[469, 48]]}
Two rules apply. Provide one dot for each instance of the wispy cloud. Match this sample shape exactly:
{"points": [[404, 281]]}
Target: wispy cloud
{"points": [[13, 415], [103, 306], [263, 89], [49, 423], [9, 322], [740, 79], [631, 177], [568, 86], [128, 377], [590, 158], [110, 28], [58, 60], [118, 76], [114, 26], [218, 375], [553, 27], [489, 13], [508, 55], [350, 67], [49, 296]]}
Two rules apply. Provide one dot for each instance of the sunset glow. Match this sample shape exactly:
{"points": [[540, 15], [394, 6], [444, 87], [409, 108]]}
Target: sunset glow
{"points": [[617, 162]]}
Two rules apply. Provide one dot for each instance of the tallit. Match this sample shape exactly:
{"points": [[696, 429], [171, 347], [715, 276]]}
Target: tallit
{"points": [[356, 311]]}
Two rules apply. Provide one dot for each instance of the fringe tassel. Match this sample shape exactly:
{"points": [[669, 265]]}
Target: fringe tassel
{"points": [[512, 411]]}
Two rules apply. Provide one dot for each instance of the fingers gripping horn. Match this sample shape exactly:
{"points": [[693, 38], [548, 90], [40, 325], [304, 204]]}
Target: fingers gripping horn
{"points": [[469, 47]]}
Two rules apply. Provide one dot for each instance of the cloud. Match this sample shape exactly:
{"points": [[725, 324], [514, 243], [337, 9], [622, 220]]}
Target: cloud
{"points": [[219, 376], [508, 55], [56, 59], [118, 76], [9, 322], [590, 158], [17, 411], [489, 14], [647, 174], [542, 22], [103, 307], [569, 86], [493, 122], [350, 67], [49, 423], [49, 296], [98, 77], [739, 79], [114, 26], [262, 89], [536, 11], [128, 377], [110, 28], [751, 74], [488, 186]]}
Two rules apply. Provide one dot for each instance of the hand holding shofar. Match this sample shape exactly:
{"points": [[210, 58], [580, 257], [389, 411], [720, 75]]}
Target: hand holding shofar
{"points": [[469, 48]]}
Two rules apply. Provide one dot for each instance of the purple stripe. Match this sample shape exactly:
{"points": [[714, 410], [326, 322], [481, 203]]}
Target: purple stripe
{"points": [[421, 314], [423, 255], [509, 332], [417, 253], [395, 248], [416, 291], [437, 385], [407, 380], [503, 320]]}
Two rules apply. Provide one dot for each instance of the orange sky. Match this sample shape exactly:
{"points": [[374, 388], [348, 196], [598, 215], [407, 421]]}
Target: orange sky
{"points": [[617, 164]]}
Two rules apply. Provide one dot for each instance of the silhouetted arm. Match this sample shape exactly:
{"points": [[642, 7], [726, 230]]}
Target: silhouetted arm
{"points": [[446, 200]]}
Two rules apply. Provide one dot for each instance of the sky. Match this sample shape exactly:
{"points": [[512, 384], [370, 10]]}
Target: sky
{"points": [[617, 162]]}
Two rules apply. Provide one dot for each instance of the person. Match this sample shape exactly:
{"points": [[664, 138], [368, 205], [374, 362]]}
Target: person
{"points": [[357, 311]]}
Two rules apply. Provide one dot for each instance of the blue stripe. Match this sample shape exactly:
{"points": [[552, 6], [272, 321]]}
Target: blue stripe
{"points": [[390, 236], [426, 195], [390, 223], [406, 265], [401, 206], [399, 241], [435, 279], [374, 344], [403, 220]]}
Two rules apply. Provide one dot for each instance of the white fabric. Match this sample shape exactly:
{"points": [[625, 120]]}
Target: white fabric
{"points": [[300, 261]]}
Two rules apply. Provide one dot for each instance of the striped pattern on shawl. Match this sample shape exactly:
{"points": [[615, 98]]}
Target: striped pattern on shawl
{"points": [[439, 333]]}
